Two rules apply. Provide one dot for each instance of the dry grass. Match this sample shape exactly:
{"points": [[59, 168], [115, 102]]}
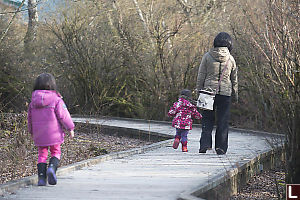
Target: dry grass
{"points": [[19, 154]]}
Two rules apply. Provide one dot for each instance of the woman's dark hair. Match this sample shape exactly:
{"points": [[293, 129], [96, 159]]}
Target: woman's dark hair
{"points": [[223, 39], [45, 81]]}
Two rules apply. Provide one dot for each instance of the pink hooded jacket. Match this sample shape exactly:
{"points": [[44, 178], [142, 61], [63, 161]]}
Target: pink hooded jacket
{"points": [[47, 117], [183, 112]]}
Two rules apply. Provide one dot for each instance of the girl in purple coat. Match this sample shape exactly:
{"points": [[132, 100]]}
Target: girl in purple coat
{"points": [[183, 111], [48, 117]]}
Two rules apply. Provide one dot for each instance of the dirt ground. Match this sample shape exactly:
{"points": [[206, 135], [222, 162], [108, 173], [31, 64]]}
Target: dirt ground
{"points": [[268, 185]]}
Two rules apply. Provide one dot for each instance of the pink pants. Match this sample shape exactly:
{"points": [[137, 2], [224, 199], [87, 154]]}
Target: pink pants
{"points": [[43, 152]]}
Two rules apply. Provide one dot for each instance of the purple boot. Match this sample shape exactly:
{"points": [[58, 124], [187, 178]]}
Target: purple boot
{"points": [[51, 172], [42, 167]]}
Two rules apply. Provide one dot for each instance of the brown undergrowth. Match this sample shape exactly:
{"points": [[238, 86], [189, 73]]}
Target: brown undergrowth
{"points": [[19, 154], [268, 185]]}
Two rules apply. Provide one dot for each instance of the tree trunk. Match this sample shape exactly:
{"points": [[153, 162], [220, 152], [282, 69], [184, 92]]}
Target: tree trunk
{"points": [[297, 132], [140, 13], [293, 150], [31, 34], [295, 168]]}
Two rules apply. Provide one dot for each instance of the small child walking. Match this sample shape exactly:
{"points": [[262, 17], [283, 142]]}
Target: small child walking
{"points": [[183, 111], [48, 117]]}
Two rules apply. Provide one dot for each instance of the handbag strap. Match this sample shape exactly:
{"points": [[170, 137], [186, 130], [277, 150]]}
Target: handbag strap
{"points": [[222, 75]]}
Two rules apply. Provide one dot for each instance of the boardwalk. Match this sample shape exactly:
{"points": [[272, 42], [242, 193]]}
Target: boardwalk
{"points": [[161, 173]]}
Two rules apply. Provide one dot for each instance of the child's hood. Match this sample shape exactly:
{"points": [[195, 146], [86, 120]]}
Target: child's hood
{"points": [[185, 103], [43, 98]]}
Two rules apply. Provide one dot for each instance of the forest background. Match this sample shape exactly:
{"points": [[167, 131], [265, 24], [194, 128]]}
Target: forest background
{"points": [[131, 58]]}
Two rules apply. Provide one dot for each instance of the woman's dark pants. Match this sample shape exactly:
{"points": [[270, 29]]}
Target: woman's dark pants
{"points": [[222, 111]]}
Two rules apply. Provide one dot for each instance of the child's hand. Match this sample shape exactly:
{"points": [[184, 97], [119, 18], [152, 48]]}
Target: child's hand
{"points": [[71, 134]]}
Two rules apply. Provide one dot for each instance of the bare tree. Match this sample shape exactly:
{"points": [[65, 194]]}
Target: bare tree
{"points": [[146, 49], [274, 33], [11, 21], [31, 34], [145, 24]]}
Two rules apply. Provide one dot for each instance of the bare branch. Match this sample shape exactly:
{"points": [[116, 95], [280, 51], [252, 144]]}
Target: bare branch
{"points": [[11, 21]]}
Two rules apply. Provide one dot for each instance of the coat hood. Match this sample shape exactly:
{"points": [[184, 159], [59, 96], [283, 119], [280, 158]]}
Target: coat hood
{"points": [[184, 102], [220, 54], [43, 98]]}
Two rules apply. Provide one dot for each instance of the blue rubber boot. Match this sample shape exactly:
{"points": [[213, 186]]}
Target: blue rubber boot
{"points": [[51, 172], [42, 167]]}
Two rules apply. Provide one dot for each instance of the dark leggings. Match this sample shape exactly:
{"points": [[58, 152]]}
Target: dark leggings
{"points": [[222, 112], [182, 133]]}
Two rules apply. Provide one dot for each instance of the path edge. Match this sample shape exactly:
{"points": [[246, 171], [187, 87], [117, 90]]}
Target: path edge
{"points": [[12, 186]]}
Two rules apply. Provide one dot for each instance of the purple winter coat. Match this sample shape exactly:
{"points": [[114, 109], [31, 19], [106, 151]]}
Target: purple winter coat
{"points": [[183, 112], [47, 116]]}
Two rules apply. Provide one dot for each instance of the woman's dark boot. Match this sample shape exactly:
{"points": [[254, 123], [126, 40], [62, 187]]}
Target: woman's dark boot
{"points": [[51, 172], [42, 167]]}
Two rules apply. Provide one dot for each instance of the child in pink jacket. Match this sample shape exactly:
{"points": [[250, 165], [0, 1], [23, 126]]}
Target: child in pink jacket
{"points": [[48, 117], [183, 111]]}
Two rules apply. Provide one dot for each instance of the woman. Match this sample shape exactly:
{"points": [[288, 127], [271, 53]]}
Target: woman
{"points": [[209, 74]]}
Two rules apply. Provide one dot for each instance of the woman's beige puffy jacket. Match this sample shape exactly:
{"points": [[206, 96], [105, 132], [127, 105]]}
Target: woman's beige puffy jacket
{"points": [[210, 70]]}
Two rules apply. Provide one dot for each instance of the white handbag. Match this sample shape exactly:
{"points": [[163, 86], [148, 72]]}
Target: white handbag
{"points": [[206, 97]]}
